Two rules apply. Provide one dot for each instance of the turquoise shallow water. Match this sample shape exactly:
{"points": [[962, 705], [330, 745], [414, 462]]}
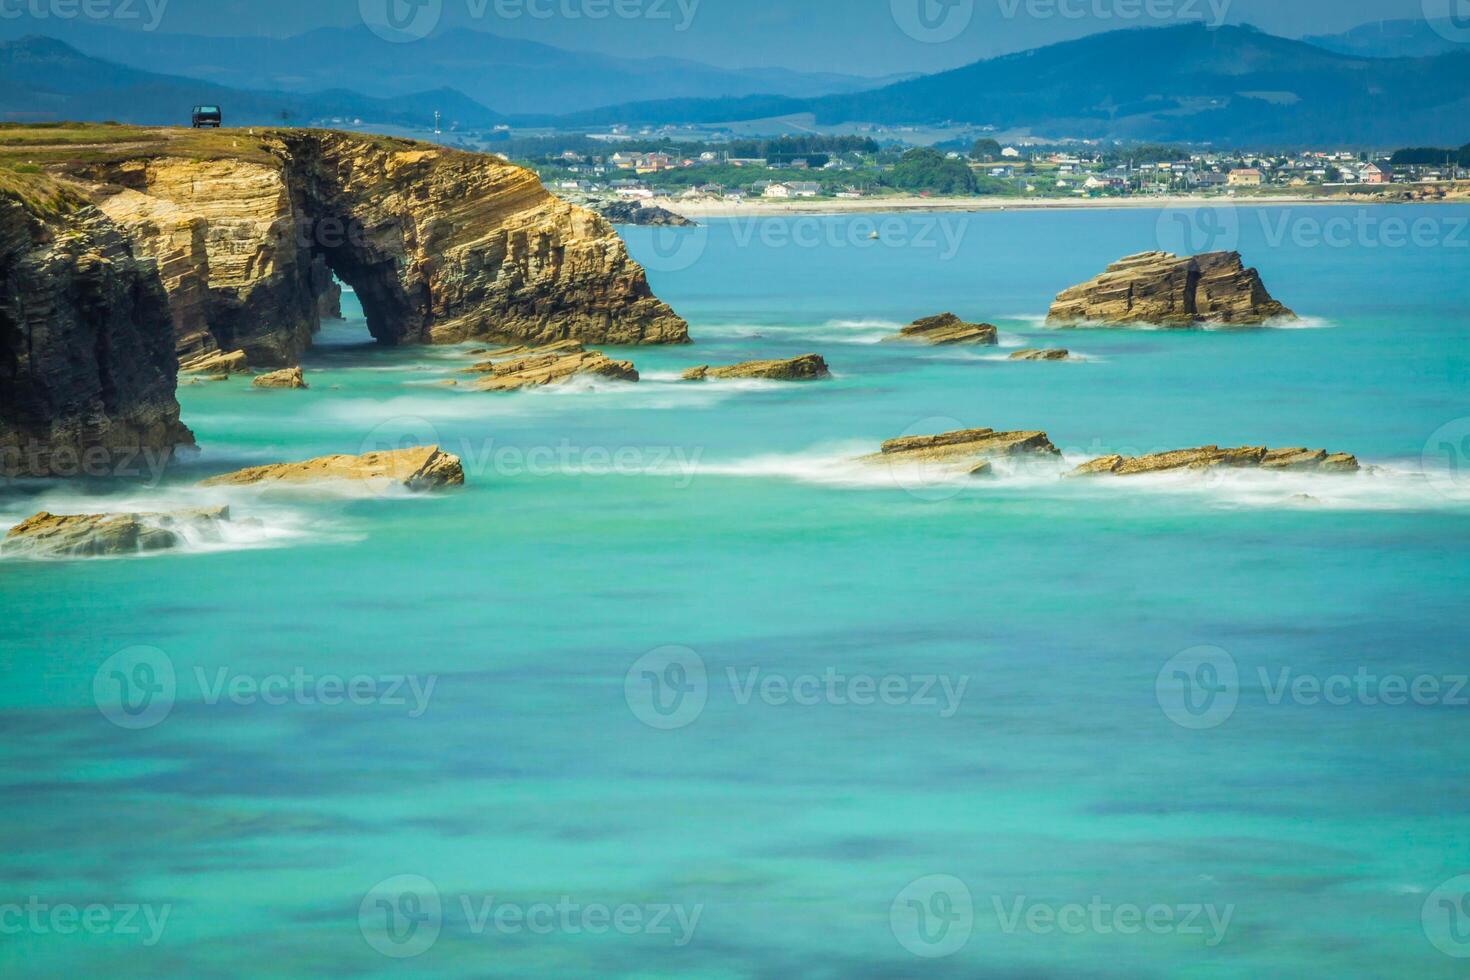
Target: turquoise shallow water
{"points": [[606, 522]]}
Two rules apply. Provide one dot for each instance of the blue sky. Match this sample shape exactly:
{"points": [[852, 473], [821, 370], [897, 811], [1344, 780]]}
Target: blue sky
{"points": [[865, 37]]}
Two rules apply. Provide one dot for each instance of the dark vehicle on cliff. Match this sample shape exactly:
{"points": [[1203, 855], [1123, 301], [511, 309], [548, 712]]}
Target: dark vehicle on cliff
{"points": [[207, 117]]}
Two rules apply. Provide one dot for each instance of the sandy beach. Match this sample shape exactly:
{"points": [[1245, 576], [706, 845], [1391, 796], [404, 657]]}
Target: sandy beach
{"points": [[762, 207]]}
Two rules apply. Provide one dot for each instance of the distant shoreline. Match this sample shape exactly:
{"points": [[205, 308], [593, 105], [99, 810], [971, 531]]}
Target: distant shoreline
{"points": [[762, 207]]}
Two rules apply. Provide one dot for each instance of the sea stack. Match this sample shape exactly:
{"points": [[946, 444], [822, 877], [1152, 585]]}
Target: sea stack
{"points": [[1163, 289]]}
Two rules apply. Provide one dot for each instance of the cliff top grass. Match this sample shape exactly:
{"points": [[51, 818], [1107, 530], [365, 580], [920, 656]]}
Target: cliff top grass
{"points": [[59, 144], [37, 193]]}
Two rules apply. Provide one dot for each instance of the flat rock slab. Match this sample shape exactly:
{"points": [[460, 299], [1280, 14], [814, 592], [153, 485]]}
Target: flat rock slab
{"points": [[516, 368], [945, 330], [421, 468], [101, 535], [234, 362], [1213, 457], [1164, 289], [809, 367], [1053, 354]]}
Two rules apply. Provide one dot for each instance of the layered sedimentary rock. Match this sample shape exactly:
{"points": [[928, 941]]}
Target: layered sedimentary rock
{"points": [[284, 378], [522, 367], [946, 329], [633, 213], [97, 535], [809, 367], [968, 450], [421, 468], [1213, 457], [1050, 354], [1164, 289], [440, 246], [87, 365]]}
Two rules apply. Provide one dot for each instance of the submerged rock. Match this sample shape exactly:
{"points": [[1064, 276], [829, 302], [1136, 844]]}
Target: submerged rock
{"points": [[1213, 457], [519, 367], [1164, 289], [1051, 354], [421, 468], [809, 367], [289, 378], [97, 535], [946, 329]]}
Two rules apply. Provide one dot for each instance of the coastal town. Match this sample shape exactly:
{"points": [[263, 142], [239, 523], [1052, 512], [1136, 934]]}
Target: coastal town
{"points": [[849, 168]]}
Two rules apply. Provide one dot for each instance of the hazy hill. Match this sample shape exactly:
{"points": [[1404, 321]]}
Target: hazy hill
{"points": [[514, 76], [44, 79], [1390, 39], [1231, 85]]}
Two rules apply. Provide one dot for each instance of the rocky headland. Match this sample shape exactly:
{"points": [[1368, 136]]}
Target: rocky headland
{"points": [[218, 251], [1163, 289], [620, 212], [1213, 457], [947, 329], [808, 367]]}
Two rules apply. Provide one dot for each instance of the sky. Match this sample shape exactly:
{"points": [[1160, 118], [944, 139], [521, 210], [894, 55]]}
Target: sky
{"points": [[859, 37]]}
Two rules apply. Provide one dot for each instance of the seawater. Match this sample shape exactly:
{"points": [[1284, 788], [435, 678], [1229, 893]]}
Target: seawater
{"points": [[611, 532]]}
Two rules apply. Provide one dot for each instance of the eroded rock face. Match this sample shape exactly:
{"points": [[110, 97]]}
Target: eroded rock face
{"points": [[422, 468], [1163, 289], [87, 365], [1051, 354], [285, 378], [809, 367], [517, 368], [98, 535], [947, 329], [1213, 457], [441, 246]]}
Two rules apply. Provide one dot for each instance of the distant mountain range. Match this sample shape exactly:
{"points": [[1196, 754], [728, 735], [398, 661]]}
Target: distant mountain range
{"points": [[1231, 85], [513, 76], [42, 79], [1393, 39]]}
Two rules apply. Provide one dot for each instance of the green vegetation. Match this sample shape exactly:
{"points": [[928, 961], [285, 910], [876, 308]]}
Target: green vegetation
{"points": [[930, 171], [985, 150], [1428, 156]]}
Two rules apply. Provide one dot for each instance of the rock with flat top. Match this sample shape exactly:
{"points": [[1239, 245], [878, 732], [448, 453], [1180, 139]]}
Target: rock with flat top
{"points": [[101, 535], [1213, 457], [967, 452], [216, 363], [288, 378], [809, 367], [1164, 289], [1051, 354], [945, 330], [421, 468], [518, 368]]}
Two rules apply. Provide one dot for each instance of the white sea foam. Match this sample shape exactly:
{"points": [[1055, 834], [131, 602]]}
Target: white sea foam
{"points": [[832, 331]]}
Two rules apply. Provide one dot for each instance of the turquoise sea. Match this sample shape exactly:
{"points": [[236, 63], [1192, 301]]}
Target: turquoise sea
{"points": [[673, 688]]}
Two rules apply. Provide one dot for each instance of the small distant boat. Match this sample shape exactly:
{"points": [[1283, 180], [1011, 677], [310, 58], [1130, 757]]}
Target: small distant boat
{"points": [[873, 237]]}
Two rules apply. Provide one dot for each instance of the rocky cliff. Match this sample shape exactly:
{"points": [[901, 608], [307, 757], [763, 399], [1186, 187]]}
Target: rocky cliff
{"points": [[87, 365], [1164, 289], [440, 247]]}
